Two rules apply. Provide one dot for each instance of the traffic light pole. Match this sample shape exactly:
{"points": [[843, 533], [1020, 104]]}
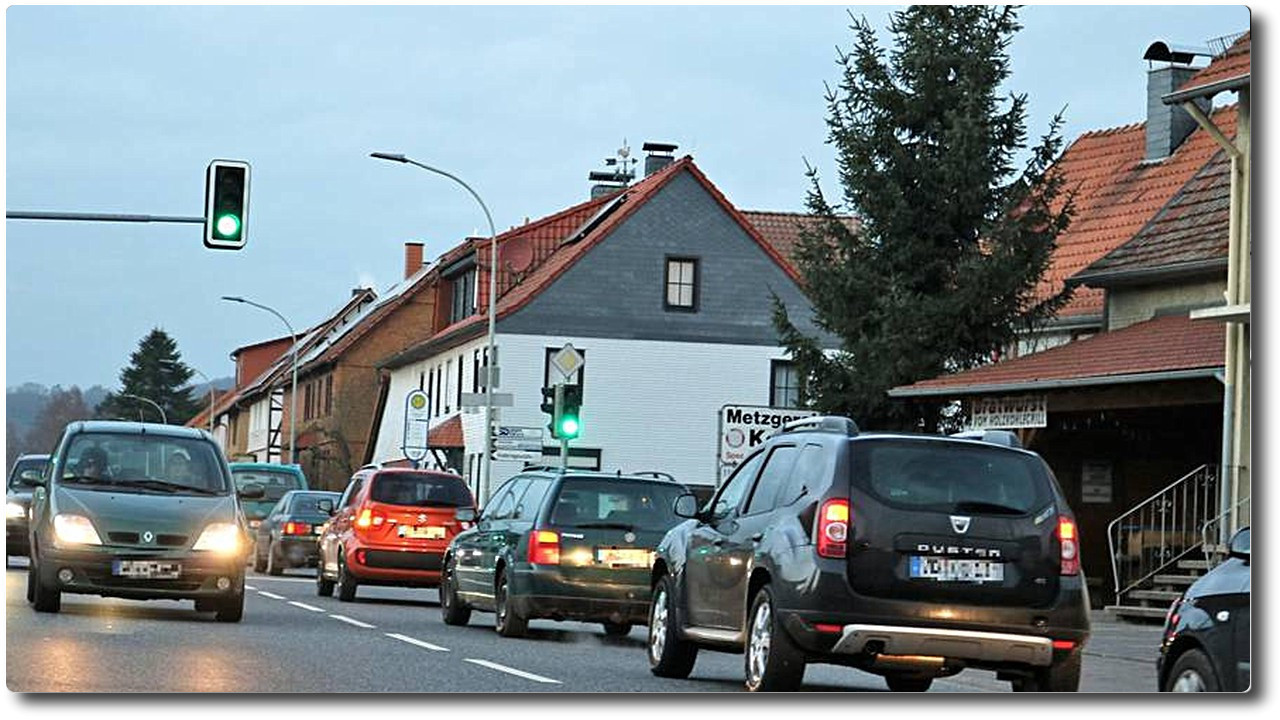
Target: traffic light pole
{"points": [[564, 454], [99, 217]]}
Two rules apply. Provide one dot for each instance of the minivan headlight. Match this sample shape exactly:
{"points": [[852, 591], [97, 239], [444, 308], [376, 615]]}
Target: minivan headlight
{"points": [[221, 538], [14, 510], [75, 530]]}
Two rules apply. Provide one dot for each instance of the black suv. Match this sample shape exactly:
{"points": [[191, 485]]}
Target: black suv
{"points": [[909, 556], [563, 545]]}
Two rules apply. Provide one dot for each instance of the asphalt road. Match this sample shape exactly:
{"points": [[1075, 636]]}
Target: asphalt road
{"points": [[393, 640]]}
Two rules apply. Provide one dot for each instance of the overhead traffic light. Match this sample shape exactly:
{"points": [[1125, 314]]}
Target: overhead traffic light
{"points": [[569, 417], [226, 204]]}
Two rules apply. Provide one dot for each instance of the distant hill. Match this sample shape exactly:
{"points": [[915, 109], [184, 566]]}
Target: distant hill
{"points": [[25, 401]]}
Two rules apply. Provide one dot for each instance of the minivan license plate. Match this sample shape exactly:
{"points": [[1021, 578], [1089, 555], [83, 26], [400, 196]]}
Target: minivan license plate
{"points": [[944, 569], [149, 569]]}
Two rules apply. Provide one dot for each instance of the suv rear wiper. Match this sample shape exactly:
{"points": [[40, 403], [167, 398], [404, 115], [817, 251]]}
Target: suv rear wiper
{"points": [[607, 525], [988, 507], [166, 486]]}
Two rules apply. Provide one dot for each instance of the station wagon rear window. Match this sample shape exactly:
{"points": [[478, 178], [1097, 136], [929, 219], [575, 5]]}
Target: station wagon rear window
{"points": [[275, 482], [642, 505], [950, 476], [420, 490]]}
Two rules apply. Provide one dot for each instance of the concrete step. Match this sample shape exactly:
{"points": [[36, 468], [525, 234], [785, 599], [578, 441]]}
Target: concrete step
{"points": [[1176, 580], [1135, 613], [1193, 565], [1164, 596]]}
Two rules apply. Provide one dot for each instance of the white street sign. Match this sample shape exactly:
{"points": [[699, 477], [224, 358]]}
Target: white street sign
{"points": [[417, 423], [567, 360], [527, 439], [476, 400], [743, 428], [517, 455]]}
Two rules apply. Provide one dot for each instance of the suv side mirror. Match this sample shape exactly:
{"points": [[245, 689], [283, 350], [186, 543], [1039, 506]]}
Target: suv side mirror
{"points": [[685, 506], [251, 491], [465, 514], [1240, 545], [325, 506], [30, 478]]}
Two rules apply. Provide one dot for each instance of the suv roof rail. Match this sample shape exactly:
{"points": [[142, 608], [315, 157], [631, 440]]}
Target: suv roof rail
{"points": [[538, 468], [1006, 438], [821, 423], [653, 473]]}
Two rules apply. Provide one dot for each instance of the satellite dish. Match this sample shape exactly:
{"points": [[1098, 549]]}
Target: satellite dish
{"points": [[517, 254]]}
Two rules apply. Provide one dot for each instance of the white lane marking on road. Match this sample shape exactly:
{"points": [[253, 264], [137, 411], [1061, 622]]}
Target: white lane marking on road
{"points": [[512, 671], [415, 641], [305, 606], [352, 621], [250, 587], [271, 595]]}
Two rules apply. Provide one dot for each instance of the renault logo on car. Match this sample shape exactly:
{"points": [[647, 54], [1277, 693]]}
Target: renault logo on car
{"points": [[148, 536], [960, 524]]}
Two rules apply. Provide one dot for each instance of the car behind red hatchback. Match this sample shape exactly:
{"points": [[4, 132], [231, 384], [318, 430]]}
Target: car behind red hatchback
{"points": [[391, 527]]}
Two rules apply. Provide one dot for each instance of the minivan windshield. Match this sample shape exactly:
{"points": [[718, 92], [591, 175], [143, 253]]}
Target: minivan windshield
{"points": [[419, 489], [144, 463], [951, 476], [627, 504]]}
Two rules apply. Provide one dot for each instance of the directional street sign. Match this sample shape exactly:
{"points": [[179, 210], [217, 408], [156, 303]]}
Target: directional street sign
{"points": [[476, 400], [517, 443], [567, 360]]}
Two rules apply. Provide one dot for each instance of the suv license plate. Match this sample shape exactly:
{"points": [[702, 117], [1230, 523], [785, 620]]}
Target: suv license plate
{"points": [[427, 532], [955, 569], [147, 569]]}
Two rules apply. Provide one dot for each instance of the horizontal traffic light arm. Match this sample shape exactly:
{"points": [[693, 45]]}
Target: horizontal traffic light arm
{"points": [[99, 217]]}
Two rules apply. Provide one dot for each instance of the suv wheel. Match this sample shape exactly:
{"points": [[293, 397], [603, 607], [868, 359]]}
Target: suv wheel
{"points": [[908, 683], [508, 621], [1061, 676], [346, 581], [1192, 673], [273, 563], [43, 598], [451, 608], [669, 655], [772, 661]]}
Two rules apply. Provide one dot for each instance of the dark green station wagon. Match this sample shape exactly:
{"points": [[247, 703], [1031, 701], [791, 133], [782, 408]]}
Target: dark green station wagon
{"points": [[140, 511], [569, 545]]}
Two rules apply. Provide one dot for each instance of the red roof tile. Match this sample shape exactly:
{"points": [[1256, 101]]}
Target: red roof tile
{"points": [[1116, 194], [1162, 344], [782, 230], [1235, 62]]}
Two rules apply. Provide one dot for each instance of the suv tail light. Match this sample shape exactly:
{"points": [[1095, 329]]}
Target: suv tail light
{"points": [[1070, 546], [833, 528], [368, 517], [297, 528], [544, 547]]}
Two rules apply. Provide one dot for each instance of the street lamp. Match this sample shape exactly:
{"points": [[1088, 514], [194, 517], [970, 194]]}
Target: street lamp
{"points": [[172, 364], [163, 420], [487, 461], [293, 393]]}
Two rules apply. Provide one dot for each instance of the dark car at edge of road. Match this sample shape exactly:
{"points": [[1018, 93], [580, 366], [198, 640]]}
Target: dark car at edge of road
{"points": [[561, 545], [908, 556], [288, 536], [276, 479], [140, 511], [1205, 645], [23, 476]]}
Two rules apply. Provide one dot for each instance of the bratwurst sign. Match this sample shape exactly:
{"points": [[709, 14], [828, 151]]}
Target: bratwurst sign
{"points": [[743, 428]]}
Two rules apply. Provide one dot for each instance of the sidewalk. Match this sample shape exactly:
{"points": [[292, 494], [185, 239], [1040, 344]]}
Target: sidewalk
{"points": [[1118, 639]]}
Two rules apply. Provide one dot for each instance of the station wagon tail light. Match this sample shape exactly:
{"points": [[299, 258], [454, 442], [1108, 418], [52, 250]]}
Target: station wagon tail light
{"points": [[833, 528], [75, 530], [544, 547], [221, 538], [1070, 546], [297, 528]]}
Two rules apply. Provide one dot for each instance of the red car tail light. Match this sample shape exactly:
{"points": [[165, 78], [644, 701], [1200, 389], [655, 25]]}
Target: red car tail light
{"points": [[544, 547], [833, 528], [1070, 546], [369, 517], [296, 528]]}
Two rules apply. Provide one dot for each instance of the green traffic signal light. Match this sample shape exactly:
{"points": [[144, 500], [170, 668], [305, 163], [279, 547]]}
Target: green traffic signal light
{"points": [[569, 427], [227, 225], [226, 204]]}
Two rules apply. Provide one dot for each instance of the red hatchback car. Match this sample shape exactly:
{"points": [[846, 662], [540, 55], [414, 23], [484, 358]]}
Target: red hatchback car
{"points": [[391, 527]]}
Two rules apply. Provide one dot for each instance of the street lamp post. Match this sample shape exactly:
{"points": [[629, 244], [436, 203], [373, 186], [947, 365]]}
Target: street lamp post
{"points": [[293, 392], [170, 363], [487, 460], [163, 419]]}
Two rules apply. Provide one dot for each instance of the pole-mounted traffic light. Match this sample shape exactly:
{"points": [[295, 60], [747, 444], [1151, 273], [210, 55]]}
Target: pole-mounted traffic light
{"points": [[549, 402], [226, 204], [569, 417]]}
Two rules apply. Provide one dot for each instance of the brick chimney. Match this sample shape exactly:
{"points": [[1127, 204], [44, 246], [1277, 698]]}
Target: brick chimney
{"points": [[412, 258]]}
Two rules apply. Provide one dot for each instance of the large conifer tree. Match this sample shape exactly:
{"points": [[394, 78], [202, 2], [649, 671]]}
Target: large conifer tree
{"points": [[157, 373], [953, 236]]}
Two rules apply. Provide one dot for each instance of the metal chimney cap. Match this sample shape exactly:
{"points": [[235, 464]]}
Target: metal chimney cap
{"points": [[1175, 53]]}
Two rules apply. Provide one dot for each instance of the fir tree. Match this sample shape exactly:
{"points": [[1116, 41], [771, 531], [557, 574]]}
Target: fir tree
{"points": [[953, 236], [157, 373]]}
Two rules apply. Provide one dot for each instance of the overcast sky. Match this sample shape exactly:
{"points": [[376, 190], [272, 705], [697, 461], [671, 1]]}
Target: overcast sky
{"points": [[119, 110]]}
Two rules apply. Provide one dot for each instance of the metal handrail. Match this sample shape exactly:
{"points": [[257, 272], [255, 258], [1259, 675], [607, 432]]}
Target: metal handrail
{"points": [[1191, 498], [1212, 558]]}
